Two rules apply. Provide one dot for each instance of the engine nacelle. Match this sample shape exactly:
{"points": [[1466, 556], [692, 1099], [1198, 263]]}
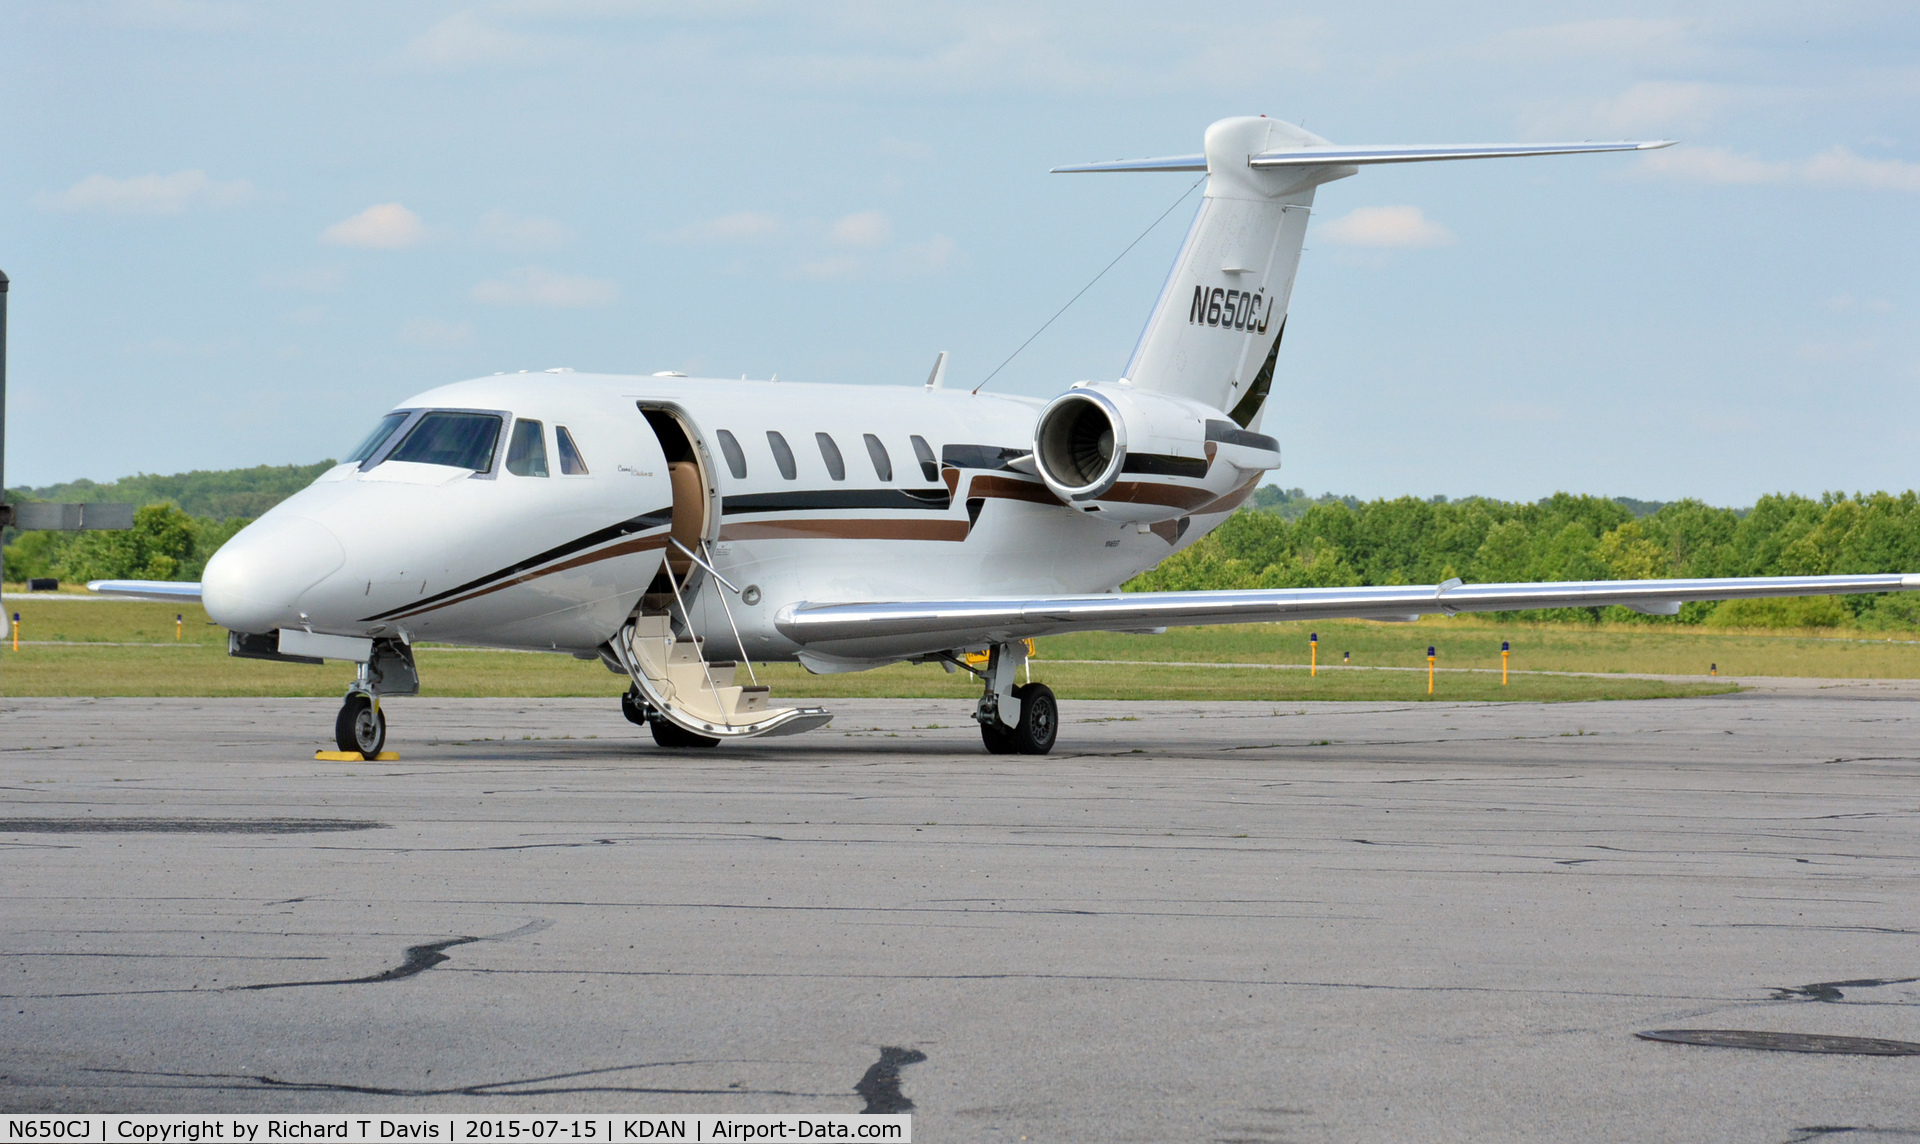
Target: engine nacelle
{"points": [[1141, 456]]}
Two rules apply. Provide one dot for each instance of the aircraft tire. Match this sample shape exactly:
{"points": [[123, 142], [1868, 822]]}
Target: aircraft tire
{"points": [[632, 708], [675, 738], [999, 738], [1039, 719], [361, 726]]}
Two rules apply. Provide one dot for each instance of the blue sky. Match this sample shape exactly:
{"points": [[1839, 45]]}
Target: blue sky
{"points": [[238, 231]]}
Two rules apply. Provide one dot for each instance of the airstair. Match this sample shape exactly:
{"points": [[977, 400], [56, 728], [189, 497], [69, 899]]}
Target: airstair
{"points": [[675, 681]]}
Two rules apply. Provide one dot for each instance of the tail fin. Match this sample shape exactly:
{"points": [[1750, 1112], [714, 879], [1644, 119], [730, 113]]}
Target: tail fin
{"points": [[1215, 333]]}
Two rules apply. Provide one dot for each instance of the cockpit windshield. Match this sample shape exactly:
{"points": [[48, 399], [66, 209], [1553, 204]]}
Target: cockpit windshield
{"points": [[377, 438], [463, 440]]}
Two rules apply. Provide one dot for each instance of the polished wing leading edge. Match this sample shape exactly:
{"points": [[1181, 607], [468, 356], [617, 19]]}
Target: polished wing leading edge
{"points": [[169, 591], [1366, 156], [903, 628]]}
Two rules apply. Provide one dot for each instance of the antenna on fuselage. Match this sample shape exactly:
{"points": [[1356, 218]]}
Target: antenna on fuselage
{"points": [[938, 377]]}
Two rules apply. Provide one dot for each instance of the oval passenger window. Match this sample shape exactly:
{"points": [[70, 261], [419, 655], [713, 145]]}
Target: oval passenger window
{"points": [[730, 449], [882, 464], [782, 456], [830, 453]]}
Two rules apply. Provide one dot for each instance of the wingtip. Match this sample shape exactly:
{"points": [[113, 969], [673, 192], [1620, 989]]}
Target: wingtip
{"points": [[1656, 144]]}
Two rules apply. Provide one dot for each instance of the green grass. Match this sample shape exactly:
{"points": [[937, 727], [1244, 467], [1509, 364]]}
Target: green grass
{"points": [[1153, 667]]}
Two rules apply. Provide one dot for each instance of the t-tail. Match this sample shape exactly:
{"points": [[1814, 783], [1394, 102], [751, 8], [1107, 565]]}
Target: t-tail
{"points": [[1215, 333]]}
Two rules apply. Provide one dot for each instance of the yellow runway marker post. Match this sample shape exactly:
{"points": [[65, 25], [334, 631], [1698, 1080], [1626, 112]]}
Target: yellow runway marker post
{"points": [[16, 631], [1429, 670], [1504, 647], [1313, 650], [179, 624]]}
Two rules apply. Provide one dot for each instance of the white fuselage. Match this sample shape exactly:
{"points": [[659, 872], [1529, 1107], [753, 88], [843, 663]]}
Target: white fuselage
{"points": [[559, 561]]}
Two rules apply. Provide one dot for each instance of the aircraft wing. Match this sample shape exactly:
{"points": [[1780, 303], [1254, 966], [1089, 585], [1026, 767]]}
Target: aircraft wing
{"points": [[898, 628], [169, 590], [1369, 155]]}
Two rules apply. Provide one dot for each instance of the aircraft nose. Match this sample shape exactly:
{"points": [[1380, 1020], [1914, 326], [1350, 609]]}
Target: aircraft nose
{"points": [[254, 583]]}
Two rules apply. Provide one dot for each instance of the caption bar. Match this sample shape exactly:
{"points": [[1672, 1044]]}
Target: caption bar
{"points": [[597, 1129]]}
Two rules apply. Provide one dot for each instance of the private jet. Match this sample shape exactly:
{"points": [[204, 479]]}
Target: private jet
{"points": [[680, 530]]}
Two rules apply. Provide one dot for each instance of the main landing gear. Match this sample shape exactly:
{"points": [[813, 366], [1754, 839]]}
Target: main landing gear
{"points": [[361, 726], [1014, 719], [665, 734]]}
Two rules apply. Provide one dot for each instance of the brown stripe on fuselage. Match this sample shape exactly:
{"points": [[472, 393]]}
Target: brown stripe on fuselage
{"points": [[624, 548], [1173, 496], [1232, 500], [874, 529], [951, 476], [1008, 488]]}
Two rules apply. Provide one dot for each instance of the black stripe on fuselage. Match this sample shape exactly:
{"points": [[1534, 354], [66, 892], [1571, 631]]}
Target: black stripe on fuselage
{"points": [[932, 500], [1162, 465], [658, 518]]}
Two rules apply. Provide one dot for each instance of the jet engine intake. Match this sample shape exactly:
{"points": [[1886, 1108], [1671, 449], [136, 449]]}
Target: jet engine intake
{"points": [[1145, 457]]}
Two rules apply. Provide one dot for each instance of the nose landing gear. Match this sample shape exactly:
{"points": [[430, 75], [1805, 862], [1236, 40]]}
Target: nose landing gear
{"points": [[361, 727]]}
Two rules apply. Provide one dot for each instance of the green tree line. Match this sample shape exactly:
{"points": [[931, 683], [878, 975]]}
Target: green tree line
{"points": [[182, 520], [1334, 542]]}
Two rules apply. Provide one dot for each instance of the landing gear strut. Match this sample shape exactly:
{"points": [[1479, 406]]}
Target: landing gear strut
{"points": [[665, 734], [361, 725], [1015, 720]]}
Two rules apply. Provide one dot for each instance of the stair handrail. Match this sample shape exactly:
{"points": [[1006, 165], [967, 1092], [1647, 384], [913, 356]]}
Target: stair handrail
{"points": [[674, 583], [738, 643]]}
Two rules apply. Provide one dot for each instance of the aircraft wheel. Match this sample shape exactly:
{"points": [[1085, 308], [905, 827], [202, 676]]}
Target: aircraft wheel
{"points": [[1000, 739], [1039, 719], [632, 708], [360, 726], [674, 737]]}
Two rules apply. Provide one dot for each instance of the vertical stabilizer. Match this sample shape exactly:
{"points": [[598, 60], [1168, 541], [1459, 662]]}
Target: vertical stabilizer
{"points": [[1215, 333]]}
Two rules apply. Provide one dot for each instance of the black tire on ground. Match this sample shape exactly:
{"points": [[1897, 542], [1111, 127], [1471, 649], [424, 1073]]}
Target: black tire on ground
{"points": [[631, 707], [676, 738], [1000, 739], [361, 726], [1039, 719]]}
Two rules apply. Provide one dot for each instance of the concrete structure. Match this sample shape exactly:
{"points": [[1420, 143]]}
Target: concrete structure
{"points": [[1331, 922]]}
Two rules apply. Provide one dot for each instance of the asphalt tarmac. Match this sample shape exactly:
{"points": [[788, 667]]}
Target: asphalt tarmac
{"points": [[1231, 922]]}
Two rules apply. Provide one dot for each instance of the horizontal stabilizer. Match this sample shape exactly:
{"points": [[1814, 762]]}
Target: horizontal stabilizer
{"points": [[1365, 156], [171, 590]]}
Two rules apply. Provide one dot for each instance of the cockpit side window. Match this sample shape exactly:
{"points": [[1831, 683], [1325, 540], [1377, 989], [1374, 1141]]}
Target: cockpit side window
{"points": [[571, 463], [730, 449], [929, 468], [377, 438], [527, 451], [463, 440]]}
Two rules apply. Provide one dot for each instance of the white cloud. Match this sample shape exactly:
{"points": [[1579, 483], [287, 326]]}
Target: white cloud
{"points": [[866, 229], [463, 40], [1627, 36], [527, 235], [1387, 227], [1837, 168], [533, 286], [147, 194], [434, 333], [937, 253], [744, 226], [387, 226]]}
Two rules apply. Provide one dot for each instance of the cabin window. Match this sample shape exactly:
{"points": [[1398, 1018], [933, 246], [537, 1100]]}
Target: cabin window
{"points": [[736, 460], [463, 440], [830, 453], [527, 449], [571, 463], [377, 438], [882, 464], [929, 468], [782, 456]]}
